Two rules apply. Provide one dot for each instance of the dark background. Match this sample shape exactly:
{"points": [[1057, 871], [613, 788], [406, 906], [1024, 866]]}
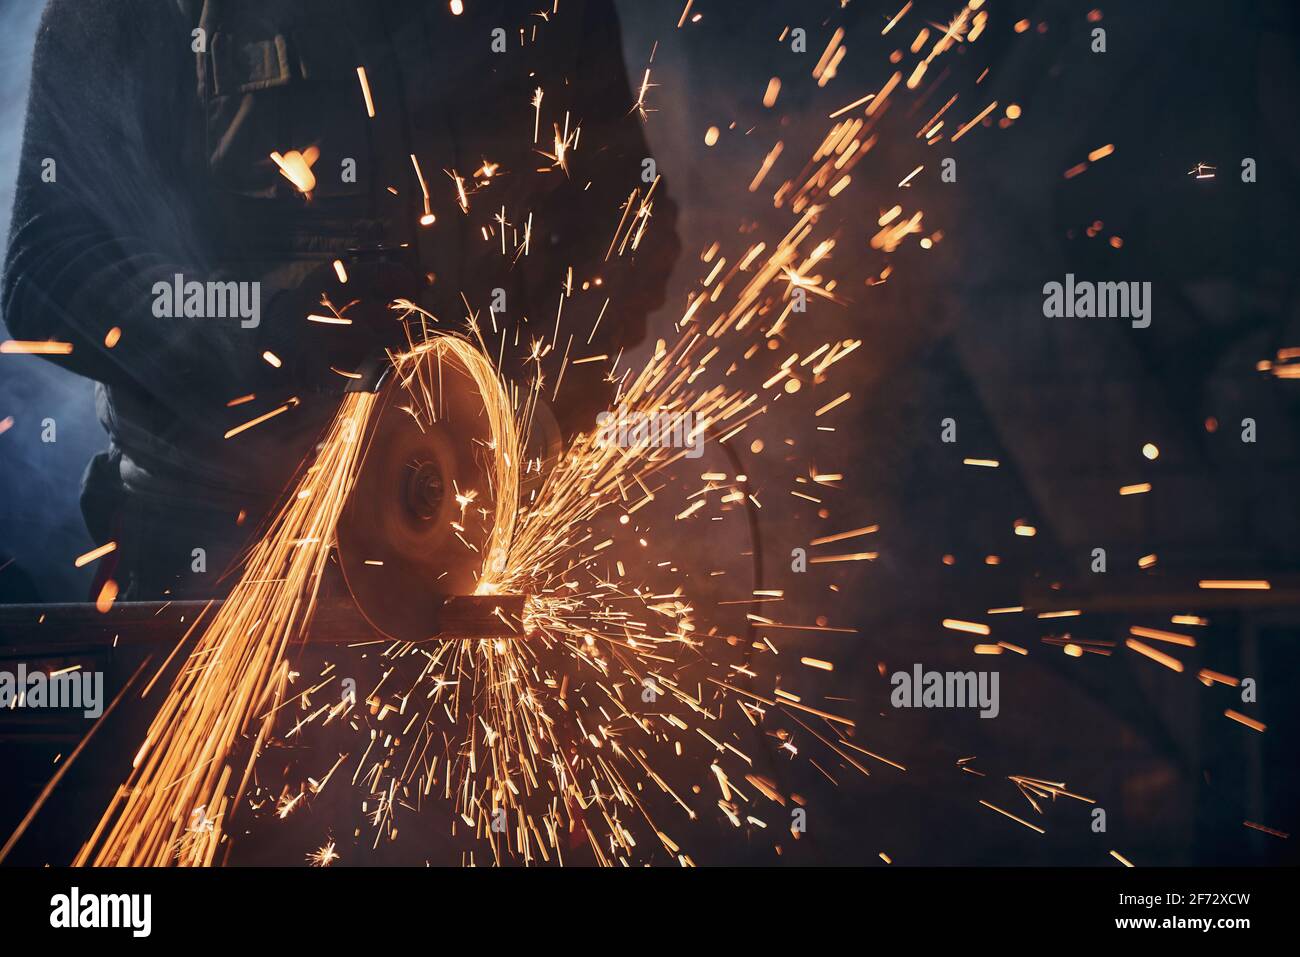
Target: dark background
{"points": [[1064, 404]]}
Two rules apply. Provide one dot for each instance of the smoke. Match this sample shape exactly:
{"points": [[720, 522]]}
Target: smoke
{"points": [[41, 529]]}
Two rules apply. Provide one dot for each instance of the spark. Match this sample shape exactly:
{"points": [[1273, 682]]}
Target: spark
{"points": [[95, 554], [961, 131], [107, 595], [296, 167], [323, 856], [14, 347], [1159, 657], [284, 407], [640, 106], [1155, 634], [772, 92], [1245, 720], [898, 16], [543, 729], [428, 218], [365, 91], [1018, 820], [182, 763], [841, 536]]}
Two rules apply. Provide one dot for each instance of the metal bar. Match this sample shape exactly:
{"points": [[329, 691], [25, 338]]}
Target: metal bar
{"points": [[70, 627]]}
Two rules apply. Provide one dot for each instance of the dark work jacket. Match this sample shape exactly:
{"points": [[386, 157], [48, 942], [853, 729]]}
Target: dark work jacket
{"points": [[159, 138]]}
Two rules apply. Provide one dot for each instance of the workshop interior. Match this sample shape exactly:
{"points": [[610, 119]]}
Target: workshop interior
{"points": [[605, 433]]}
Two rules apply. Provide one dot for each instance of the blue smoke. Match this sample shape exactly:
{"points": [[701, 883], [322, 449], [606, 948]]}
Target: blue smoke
{"points": [[41, 530]]}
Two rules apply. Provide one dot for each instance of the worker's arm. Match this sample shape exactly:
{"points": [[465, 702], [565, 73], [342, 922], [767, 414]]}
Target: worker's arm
{"points": [[103, 210], [613, 153], [611, 156]]}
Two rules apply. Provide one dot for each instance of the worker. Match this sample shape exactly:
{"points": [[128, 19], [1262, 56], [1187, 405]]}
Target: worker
{"points": [[199, 177]]}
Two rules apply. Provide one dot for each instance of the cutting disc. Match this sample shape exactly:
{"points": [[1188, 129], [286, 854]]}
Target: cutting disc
{"points": [[419, 519]]}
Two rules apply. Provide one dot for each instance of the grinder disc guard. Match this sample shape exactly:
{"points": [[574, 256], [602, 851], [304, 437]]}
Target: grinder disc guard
{"points": [[418, 523]]}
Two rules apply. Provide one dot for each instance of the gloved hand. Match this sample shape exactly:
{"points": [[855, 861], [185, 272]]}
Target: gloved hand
{"points": [[316, 352]]}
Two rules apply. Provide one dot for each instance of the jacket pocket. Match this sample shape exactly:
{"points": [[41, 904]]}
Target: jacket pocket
{"points": [[282, 92], [245, 66]]}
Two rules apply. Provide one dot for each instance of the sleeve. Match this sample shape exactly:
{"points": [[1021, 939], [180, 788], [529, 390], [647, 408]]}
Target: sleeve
{"points": [[611, 158], [614, 128], [102, 211]]}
